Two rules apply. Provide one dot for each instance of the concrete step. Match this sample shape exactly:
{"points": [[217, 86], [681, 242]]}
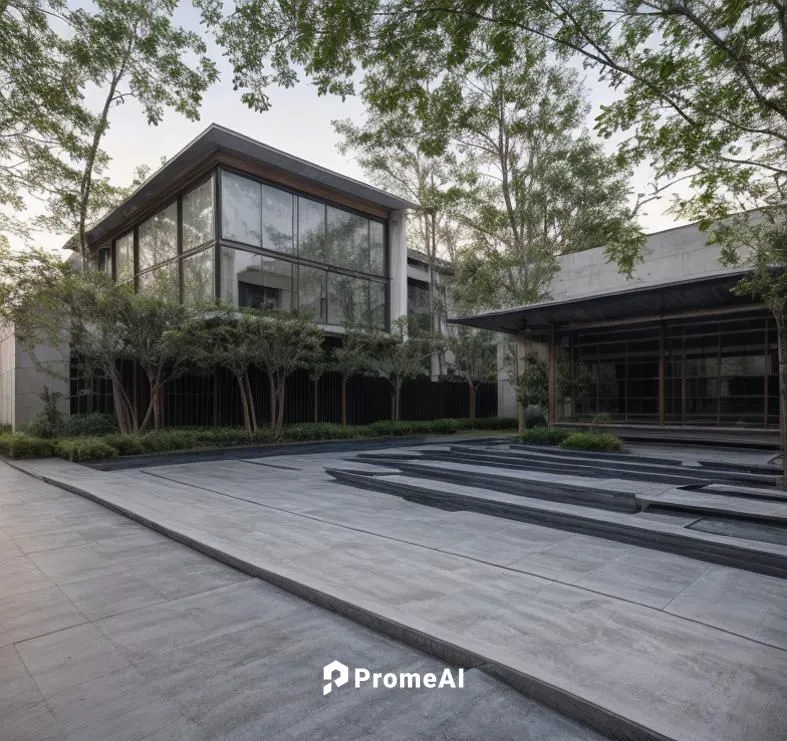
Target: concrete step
{"points": [[765, 558], [587, 496], [635, 464]]}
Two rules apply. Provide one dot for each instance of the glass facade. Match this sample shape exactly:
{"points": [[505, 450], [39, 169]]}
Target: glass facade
{"points": [[198, 224], [331, 261], [158, 238], [716, 371], [124, 258], [276, 250], [163, 282], [199, 281]]}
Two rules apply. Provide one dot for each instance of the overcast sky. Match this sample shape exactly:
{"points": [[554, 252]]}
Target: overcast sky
{"points": [[299, 122]]}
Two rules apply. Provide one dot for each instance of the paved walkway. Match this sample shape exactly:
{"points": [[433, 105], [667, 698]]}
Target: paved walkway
{"points": [[688, 649], [112, 632]]}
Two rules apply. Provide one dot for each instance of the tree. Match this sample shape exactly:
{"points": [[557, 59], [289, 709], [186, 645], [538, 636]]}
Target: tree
{"points": [[42, 110], [541, 186], [350, 359], [281, 343], [397, 357], [117, 52], [317, 369], [388, 148], [475, 359], [227, 343], [159, 336], [533, 385]]}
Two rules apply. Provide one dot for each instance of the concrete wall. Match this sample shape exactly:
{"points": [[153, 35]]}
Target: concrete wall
{"points": [[674, 254], [671, 255], [398, 264], [7, 374], [23, 377], [31, 377]]}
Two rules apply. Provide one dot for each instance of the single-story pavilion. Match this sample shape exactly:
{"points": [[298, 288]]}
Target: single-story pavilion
{"points": [[670, 346]]}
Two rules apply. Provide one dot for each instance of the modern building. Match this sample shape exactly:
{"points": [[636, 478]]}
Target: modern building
{"points": [[231, 218], [670, 346]]}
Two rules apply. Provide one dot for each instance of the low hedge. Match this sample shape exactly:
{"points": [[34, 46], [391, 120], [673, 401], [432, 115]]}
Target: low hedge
{"points": [[545, 436], [595, 441], [84, 449], [21, 445], [95, 447]]}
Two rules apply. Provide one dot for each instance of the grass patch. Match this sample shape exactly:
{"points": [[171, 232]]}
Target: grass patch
{"points": [[545, 436], [604, 442]]}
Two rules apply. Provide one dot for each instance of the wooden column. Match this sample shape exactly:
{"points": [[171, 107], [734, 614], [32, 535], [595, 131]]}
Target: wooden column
{"points": [[552, 371], [662, 373]]}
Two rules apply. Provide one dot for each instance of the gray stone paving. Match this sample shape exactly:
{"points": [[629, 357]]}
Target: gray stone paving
{"points": [[112, 632], [663, 640]]}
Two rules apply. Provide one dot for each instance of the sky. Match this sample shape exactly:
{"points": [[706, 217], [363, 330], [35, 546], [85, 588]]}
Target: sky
{"points": [[299, 122]]}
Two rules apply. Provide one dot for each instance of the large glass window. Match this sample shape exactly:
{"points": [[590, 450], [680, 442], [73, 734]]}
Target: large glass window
{"points": [[240, 209], [348, 300], [347, 240], [198, 277], [158, 238], [198, 224], [311, 230], [104, 260], [162, 282], [124, 257], [313, 293], [256, 281], [278, 220], [376, 248], [377, 304]]}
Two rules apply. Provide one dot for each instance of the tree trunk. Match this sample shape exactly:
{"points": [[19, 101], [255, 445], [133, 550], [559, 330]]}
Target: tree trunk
{"points": [[121, 413], [250, 402], [129, 412], [471, 399], [396, 401], [272, 397], [281, 390], [344, 401], [244, 403], [781, 333], [316, 400]]}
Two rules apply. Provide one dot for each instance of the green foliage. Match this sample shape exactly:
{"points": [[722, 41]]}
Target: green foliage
{"points": [[593, 441], [495, 423], [84, 449], [6, 429], [322, 431], [533, 383], [88, 425], [600, 420], [20, 445], [50, 421], [398, 356], [544, 436]]}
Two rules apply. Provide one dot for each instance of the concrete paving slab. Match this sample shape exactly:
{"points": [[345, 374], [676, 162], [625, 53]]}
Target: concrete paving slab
{"points": [[29, 614], [679, 676], [239, 660]]}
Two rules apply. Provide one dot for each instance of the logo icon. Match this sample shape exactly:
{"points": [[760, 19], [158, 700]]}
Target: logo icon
{"points": [[334, 673]]}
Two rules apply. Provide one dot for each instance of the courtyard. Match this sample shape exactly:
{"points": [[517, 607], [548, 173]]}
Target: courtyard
{"points": [[642, 595]]}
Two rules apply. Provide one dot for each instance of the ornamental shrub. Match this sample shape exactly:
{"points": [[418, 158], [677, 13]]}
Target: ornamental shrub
{"points": [[594, 441], [84, 449]]}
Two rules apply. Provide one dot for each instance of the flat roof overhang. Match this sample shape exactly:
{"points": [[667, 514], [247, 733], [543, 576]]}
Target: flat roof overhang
{"points": [[216, 139], [648, 302]]}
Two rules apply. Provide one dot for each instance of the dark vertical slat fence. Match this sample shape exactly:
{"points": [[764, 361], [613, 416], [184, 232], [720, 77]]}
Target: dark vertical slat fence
{"points": [[214, 400]]}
